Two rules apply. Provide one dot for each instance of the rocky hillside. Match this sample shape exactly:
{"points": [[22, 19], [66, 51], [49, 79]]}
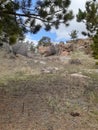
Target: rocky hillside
{"points": [[48, 93], [83, 45], [62, 49]]}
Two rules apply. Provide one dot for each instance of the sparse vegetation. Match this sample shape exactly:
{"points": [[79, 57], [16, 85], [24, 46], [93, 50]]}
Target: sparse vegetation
{"points": [[55, 88], [51, 96], [75, 61]]}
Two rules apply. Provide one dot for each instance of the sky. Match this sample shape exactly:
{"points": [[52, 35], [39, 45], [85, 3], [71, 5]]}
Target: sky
{"points": [[62, 34]]}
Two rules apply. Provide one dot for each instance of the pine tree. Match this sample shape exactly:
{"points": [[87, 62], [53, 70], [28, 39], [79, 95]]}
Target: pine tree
{"points": [[73, 34], [45, 41], [10, 30], [90, 18], [20, 16]]}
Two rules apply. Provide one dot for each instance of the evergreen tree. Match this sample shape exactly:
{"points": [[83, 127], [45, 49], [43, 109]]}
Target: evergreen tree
{"points": [[20, 16], [95, 46], [73, 34], [90, 18], [44, 41]]}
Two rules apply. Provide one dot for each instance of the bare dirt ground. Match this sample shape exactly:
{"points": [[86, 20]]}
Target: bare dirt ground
{"points": [[48, 93]]}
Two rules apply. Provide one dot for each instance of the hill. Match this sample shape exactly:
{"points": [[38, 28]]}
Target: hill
{"points": [[83, 45], [48, 93]]}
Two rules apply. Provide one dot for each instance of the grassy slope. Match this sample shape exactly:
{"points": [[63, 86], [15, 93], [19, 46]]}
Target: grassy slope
{"points": [[30, 99]]}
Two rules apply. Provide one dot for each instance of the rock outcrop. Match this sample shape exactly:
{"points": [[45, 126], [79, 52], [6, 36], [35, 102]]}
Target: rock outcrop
{"points": [[20, 48], [47, 50], [81, 45], [62, 49], [76, 45]]}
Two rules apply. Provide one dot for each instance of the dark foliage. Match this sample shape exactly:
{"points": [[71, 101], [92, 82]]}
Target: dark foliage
{"points": [[45, 41], [73, 34], [90, 18], [20, 16]]}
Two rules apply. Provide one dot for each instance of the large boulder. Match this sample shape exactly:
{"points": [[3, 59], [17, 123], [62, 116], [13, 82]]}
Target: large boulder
{"points": [[47, 50], [20, 48]]}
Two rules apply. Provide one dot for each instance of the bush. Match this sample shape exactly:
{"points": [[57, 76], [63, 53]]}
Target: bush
{"points": [[95, 46], [96, 63], [12, 40], [45, 41], [75, 61]]}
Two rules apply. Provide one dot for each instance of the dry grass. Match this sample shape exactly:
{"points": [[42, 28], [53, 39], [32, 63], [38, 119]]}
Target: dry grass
{"points": [[31, 100]]}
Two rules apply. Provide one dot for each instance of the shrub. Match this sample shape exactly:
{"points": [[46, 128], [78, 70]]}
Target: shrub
{"points": [[96, 63], [75, 61], [95, 46], [44, 41]]}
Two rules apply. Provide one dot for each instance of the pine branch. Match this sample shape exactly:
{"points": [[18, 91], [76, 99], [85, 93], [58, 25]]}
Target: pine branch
{"points": [[34, 16]]}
